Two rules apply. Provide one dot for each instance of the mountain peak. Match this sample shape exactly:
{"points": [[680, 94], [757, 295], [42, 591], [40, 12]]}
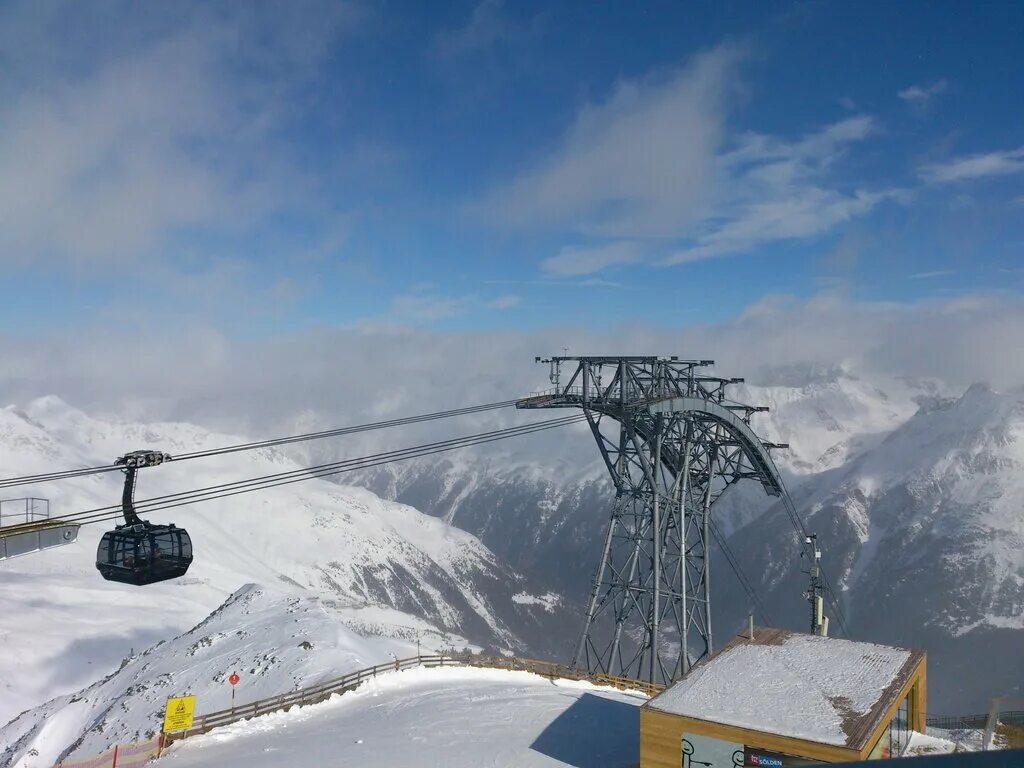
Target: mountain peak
{"points": [[979, 391]]}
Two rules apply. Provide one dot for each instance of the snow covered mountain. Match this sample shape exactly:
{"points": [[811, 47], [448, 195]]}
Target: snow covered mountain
{"points": [[547, 518], [917, 495], [394, 570], [924, 534], [276, 642]]}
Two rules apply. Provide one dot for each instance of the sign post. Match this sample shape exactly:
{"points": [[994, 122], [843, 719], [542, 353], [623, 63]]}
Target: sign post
{"points": [[179, 714], [233, 679]]}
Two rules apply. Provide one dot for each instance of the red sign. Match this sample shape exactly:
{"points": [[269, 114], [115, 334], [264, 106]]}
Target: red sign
{"points": [[234, 678]]}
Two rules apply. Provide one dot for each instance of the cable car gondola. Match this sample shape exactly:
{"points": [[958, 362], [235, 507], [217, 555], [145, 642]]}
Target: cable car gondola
{"points": [[140, 552]]}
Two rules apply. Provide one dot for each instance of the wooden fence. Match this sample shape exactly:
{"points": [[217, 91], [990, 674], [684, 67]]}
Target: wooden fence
{"points": [[553, 670], [323, 691]]}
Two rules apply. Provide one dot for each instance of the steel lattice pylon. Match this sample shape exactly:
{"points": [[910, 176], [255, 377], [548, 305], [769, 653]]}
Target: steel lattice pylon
{"points": [[677, 444]]}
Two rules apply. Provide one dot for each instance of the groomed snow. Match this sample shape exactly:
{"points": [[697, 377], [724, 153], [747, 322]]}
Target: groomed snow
{"points": [[457, 718], [803, 687]]}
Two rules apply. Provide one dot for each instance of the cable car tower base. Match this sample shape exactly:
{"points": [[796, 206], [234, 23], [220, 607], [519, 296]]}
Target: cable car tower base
{"points": [[673, 443]]}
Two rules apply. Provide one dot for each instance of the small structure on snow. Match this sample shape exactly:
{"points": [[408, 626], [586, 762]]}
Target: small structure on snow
{"points": [[781, 698]]}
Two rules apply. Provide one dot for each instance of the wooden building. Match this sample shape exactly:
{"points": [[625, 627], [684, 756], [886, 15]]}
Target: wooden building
{"points": [[782, 698]]}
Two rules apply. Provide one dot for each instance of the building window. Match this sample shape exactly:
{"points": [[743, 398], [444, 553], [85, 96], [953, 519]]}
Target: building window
{"points": [[899, 729], [881, 748]]}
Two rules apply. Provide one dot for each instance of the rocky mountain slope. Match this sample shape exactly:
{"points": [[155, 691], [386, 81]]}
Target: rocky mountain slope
{"points": [[547, 517], [924, 535]]}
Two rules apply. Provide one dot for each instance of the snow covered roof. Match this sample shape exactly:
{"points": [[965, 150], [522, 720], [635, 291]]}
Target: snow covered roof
{"points": [[820, 689]]}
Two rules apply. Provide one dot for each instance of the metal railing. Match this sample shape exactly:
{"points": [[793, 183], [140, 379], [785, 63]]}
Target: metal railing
{"points": [[974, 722], [26, 527], [22, 511], [956, 722]]}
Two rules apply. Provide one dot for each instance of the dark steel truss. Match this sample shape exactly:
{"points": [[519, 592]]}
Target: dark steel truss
{"points": [[673, 443]]}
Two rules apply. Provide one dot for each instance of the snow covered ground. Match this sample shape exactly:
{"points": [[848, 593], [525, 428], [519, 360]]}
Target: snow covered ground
{"points": [[457, 718], [275, 641]]}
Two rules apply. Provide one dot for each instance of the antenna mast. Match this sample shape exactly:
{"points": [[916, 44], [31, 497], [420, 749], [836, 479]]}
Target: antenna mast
{"points": [[816, 591]]}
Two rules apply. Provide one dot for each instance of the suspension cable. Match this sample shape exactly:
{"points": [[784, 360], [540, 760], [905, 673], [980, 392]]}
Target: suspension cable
{"points": [[223, 490], [10, 482], [345, 430], [741, 577]]}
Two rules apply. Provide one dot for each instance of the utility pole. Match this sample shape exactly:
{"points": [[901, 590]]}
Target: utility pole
{"points": [[816, 592]]}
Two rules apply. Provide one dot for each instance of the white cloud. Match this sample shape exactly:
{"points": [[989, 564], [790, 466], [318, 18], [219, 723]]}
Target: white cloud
{"points": [[636, 164], [932, 273], [418, 307], [124, 124], [920, 96], [424, 305], [999, 163], [504, 302], [486, 26], [262, 387], [797, 215], [773, 190], [645, 171], [573, 260]]}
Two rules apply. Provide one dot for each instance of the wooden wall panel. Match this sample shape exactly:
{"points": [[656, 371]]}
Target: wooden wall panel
{"points": [[659, 740], [660, 735], [919, 717]]}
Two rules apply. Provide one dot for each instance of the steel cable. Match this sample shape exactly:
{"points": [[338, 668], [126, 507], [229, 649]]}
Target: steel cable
{"points": [[741, 577], [224, 490], [10, 482]]}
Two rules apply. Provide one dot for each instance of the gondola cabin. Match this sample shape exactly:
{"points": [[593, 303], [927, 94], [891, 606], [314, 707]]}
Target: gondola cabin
{"points": [[144, 553], [140, 552]]}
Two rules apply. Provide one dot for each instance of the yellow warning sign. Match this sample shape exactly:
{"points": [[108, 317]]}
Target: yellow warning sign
{"points": [[179, 713]]}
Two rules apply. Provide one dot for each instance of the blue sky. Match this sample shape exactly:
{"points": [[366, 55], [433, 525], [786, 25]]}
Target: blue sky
{"points": [[496, 165]]}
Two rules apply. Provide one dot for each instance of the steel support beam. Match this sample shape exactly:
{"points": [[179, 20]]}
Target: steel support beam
{"points": [[672, 445]]}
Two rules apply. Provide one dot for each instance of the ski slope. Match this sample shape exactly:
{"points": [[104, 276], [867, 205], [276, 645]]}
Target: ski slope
{"points": [[452, 717]]}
